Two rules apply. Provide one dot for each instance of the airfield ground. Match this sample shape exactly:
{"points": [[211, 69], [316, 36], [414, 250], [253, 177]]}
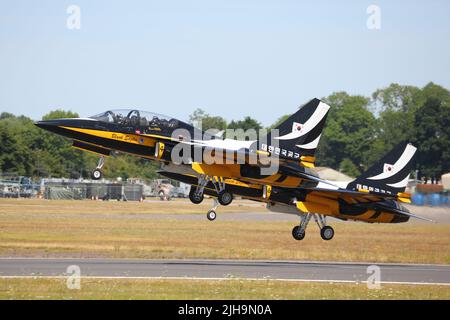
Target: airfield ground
{"points": [[178, 230], [200, 289]]}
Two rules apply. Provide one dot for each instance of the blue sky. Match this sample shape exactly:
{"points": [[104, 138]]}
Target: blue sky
{"points": [[231, 58]]}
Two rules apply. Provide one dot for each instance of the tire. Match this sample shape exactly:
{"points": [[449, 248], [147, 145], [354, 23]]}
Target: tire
{"points": [[161, 195], [211, 215], [225, 198], [96, 174], [195, 199], [327, 233], [296, 233]]}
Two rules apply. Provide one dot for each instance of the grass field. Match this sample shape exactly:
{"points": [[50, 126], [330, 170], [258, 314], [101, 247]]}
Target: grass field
{"points": [[201, 289], [41, 228]]}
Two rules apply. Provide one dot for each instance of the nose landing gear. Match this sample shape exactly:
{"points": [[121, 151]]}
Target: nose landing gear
{"points": [[97, 173], [211, 215]]}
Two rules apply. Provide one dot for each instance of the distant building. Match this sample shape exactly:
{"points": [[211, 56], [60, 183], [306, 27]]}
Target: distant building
{"points": [[446, 181], [331, 174]]}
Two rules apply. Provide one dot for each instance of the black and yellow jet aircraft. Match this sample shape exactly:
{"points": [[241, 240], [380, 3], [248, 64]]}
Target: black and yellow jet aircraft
{"points": [[375, 196], [271, 160], [277, 169]]}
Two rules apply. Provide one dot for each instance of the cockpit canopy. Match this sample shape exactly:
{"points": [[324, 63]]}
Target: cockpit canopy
{"points": [[137, 118]]}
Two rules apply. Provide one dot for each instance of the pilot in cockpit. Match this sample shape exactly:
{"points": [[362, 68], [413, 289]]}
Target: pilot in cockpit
{"points": [[155, 122]]}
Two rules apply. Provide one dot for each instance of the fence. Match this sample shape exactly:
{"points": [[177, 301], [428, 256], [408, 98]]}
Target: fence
{"points": [[93, 190]]}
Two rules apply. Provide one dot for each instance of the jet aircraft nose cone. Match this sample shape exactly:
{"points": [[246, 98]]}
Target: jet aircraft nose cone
{"points": [[55, 125], [45, 124]]}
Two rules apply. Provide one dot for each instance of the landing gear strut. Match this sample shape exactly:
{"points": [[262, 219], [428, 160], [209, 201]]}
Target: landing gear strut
{"points": [[97, 173], [326, 232], [224, 197], [196, 193]]}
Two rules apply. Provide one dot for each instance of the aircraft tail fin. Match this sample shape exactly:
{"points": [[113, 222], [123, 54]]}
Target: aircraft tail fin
{"points": [[299, 135], [389, 175]]}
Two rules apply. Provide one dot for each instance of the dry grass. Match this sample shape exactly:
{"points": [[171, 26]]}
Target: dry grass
{"points": [[114, 229], [203, 289], [154, 206]]}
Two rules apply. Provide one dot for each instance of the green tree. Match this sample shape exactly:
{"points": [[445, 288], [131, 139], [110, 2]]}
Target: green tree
{"points": [[214, 122], [10, 156], [432, 131], [246, 124], [60, 114], [396, 97], [349, 168], [197, 115], [5, 115], [207, 122], [396, 106], [349, 133]]}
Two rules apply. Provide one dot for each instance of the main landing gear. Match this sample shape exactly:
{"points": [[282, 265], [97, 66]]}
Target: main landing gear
{"points": [[97, 173], [224, 197], [326, 232]]}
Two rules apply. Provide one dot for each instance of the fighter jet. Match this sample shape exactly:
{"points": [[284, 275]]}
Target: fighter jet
{"points": [[375, 196], [280, 158]]}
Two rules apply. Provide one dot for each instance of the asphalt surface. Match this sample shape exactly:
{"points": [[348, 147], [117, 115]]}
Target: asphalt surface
{"points": [[218, 269]]}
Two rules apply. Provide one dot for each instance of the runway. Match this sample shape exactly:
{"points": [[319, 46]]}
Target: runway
{"points": [[226, 269]]}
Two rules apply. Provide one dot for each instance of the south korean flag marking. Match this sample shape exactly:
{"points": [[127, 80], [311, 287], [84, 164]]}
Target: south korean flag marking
{"points": [[388, 168], [297, 127]]}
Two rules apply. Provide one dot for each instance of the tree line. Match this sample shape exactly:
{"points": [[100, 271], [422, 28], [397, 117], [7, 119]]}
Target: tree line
{"points": [[359, 131]]}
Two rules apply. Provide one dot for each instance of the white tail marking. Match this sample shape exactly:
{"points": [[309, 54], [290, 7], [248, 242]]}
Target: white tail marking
{"points": [[311, 145], [401, 184], [311, 123], [391, 170]]}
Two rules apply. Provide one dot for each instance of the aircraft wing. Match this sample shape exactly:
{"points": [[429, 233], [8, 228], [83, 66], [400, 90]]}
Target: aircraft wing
{"points": [[357, 196], [295, 170]]}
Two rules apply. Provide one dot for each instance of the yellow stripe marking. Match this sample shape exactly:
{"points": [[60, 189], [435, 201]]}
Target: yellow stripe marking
{"points": [[117, 136]]}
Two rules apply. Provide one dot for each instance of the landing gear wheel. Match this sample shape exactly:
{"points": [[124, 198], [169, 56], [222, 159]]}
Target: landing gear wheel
{"points": [[96, 174], [225, 198], [211, 215], [297, 234], [195, 198], [327, 233]]}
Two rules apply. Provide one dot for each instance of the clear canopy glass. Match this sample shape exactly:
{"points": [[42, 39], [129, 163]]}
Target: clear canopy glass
{"points": [[137, 118]]}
